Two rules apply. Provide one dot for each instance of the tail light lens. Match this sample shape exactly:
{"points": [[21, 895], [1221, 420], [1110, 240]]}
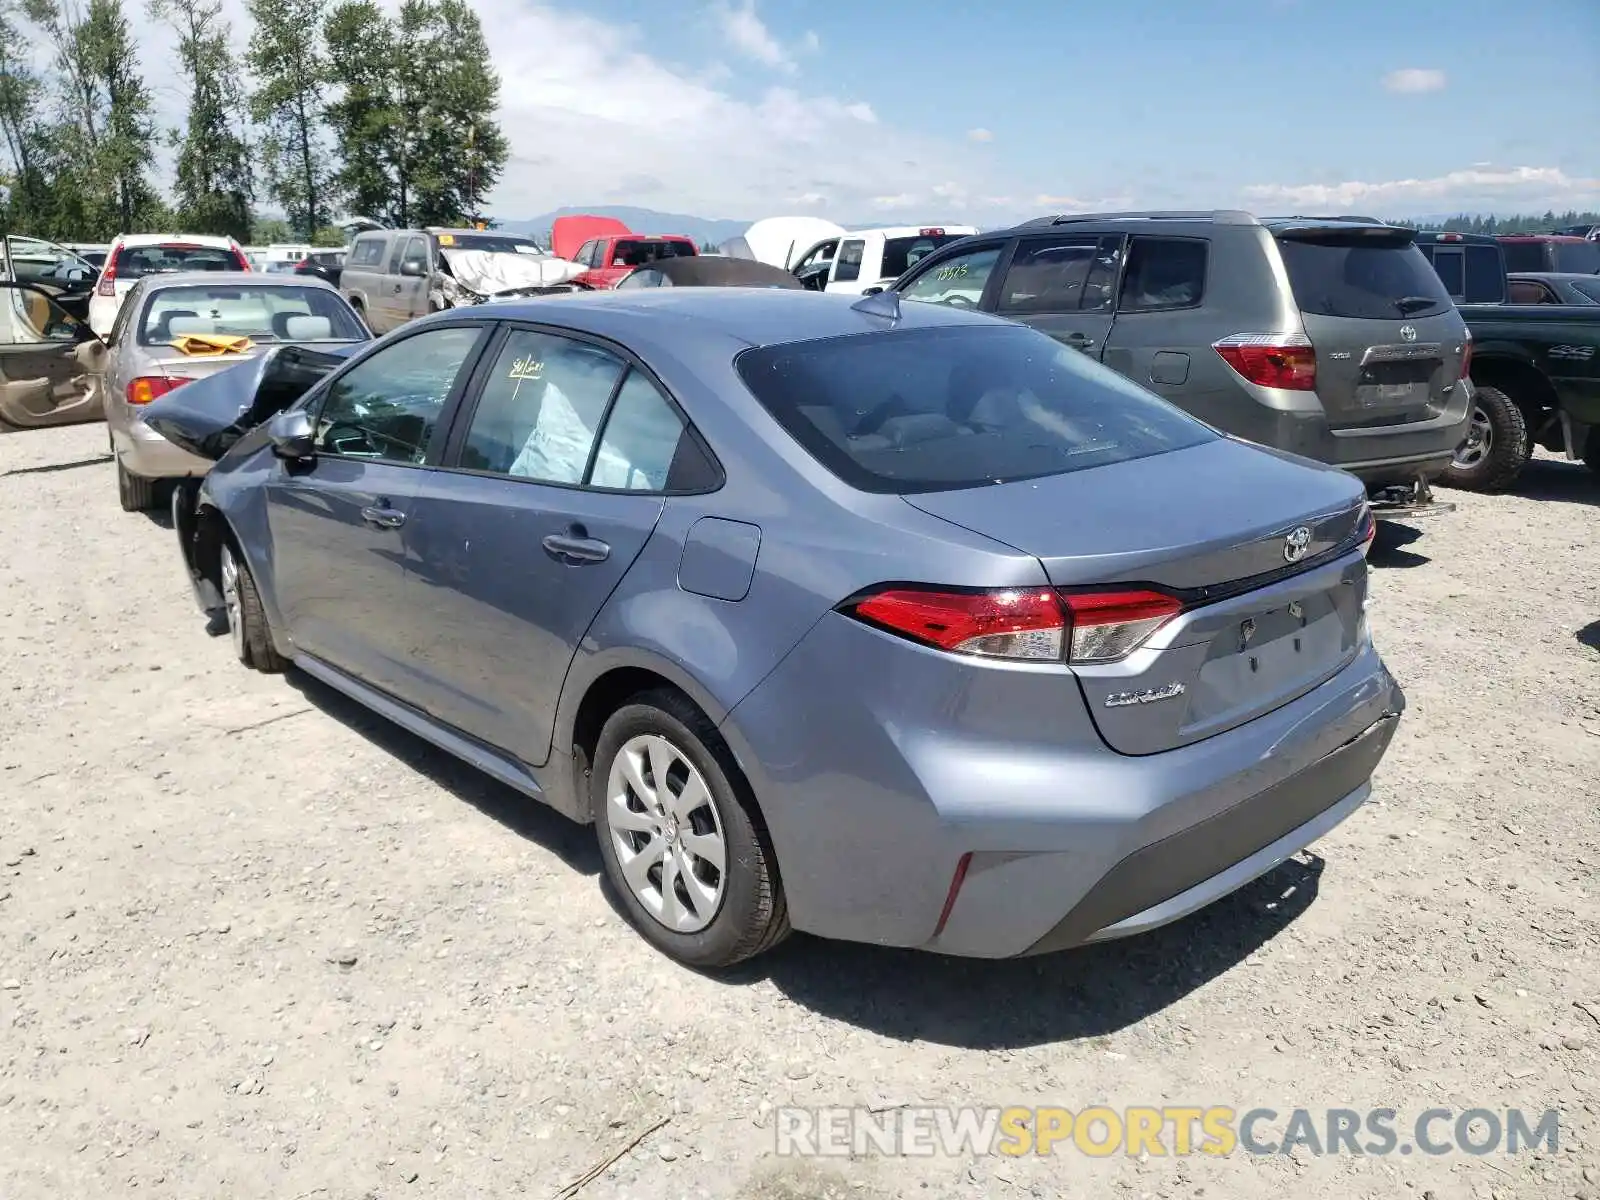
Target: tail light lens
{"points": [[239, 257], [1274, 360], [1031, 624], [147, 387], [108, 276], [1369, 528], [1466, 356]]}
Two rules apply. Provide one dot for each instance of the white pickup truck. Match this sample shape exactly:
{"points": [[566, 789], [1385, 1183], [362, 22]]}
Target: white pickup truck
{"points": [[861, 258]]}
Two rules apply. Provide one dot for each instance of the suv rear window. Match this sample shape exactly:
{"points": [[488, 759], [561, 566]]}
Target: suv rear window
{"points": [[135, 262], [1358, 275], [902, 253], [1582, 258], [928, 410]]}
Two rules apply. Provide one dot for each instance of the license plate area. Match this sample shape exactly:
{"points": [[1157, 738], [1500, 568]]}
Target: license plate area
{"points": [[1271, 656], [1395, 384]]}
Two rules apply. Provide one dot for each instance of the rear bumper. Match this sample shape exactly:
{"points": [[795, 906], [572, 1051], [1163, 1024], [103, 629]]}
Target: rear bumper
{"points": [[879, 766], [144, 452]]}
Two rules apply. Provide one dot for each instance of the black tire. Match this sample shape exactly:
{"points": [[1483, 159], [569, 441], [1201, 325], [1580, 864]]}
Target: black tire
{"points": [[1476, 468], [752, 915], [1591, 450], [135, 492], [247, 623]]}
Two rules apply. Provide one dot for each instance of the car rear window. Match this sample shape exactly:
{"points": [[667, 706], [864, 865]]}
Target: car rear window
{"points": [[637, 253], [134, 262], [926, 410], [1486, 276], [264, 312], [1581, 258], [900, 254], [1358, 275]]}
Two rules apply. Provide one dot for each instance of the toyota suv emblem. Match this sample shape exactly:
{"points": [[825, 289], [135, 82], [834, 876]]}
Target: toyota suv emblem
{"points": [[1296, 543], [1408, 333]]}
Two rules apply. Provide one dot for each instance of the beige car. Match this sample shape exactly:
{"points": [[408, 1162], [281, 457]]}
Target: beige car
{"points": [[50, 362], [174, 329]]}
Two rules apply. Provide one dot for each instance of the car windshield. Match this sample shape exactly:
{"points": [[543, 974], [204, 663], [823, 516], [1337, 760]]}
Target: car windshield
{"points": [[631, 253], [930, 410], [262, 312], [497, 243], [1358, 275], [133, 262], [902, 253]]}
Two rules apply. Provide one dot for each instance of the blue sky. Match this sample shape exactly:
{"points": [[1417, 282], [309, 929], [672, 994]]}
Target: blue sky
{"points": [[938, 110]]}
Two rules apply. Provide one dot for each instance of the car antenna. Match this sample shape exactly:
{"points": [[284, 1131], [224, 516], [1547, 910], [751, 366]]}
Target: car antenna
{"points": [[880, 304]]}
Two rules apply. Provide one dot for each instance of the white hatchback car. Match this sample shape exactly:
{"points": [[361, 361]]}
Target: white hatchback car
{"points": [[134, 255]]}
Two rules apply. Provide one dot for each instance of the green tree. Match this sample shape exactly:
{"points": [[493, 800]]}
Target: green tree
{"points": [[213, 178], [414, 113], [291, 74], [25, 202]]}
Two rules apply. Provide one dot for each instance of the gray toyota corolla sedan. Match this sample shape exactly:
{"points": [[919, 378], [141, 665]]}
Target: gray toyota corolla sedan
{"points": [[902, 625]]}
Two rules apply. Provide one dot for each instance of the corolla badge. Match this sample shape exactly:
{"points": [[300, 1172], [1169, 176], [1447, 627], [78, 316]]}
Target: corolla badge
{"points": [[1408, 333], [1296, 543], [1148, 696]]}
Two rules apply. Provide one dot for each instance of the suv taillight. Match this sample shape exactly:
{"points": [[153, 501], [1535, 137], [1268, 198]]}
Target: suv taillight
{"points": [[1035, 624], [239, 257], [1274, 360], [108, 275]]}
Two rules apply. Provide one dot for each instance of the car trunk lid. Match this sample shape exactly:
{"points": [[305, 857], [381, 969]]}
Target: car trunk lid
{"points": [[1257, 547], [1388, 343]]}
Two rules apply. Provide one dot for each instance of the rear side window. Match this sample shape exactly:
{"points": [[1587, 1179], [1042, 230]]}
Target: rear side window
{"points": [[135, 262], [925, 410], [1164, 273], [1047, 275], [1451, 268], [367, 251], [1354, 275], [902, 253], [1524, 256], [1580, 258], [637, 254], [1591, 290]]}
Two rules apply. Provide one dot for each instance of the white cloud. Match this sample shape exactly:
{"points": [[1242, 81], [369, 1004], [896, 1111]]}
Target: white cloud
{"points": [[1415, 79], [1474, 189], [898, 200], [979, 135], [810, 42], [744, 30]]}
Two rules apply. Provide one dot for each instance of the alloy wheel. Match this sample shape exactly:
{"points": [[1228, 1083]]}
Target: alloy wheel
{"points": [[1478, 442], [666, 832], [230, 601]]}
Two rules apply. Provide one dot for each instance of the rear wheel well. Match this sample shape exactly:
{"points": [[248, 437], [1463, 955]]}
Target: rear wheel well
{"points": [[1529, 390]]}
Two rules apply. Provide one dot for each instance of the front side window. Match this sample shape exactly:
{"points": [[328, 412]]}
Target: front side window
{"points": [[925, 410], [1047, 275], [1163, 273], [847, 267], [387, 406], [416, 255], [957, 281], [541, 408]]}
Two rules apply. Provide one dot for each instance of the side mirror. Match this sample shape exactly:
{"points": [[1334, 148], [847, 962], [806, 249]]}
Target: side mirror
{"points": [[293, 435], [873, 290], [414, 269]]}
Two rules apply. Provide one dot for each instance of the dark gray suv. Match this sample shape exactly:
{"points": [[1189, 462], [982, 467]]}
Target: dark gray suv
{"points": [[1331, 338]]}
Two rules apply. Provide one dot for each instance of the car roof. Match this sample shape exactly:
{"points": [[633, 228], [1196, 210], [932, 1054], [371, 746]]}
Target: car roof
{"points": [[185, 239], [1553, 276], [737, 317], [1542, 237], [254, 278], [898, 231]]}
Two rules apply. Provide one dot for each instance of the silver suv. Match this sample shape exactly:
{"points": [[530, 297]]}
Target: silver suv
{"points": [[1331, 338]]}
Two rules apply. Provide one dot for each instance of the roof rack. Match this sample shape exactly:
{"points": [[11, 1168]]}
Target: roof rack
{"points": [[1320, 217], [1220, 216]]}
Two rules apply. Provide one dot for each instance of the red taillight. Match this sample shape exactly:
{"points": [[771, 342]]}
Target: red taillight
{"points": [[1110, 625], [956, 881], [1466, 356], [1274, 360], [1036, 624], [930, 233], [147, 387], [1369, 528], [108, 275], [238, 257], [1449, 237]]}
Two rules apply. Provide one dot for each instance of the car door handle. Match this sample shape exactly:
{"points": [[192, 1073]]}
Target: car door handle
{"points": [[576, 550], [1078, 341], [398, 288], [383, 516]]}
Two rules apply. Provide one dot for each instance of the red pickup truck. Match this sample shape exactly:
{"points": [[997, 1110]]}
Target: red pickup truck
{"points": [[610, 258]]}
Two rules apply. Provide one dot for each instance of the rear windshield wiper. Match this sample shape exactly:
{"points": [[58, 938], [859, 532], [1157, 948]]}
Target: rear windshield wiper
{"points": [[1410, 304]]}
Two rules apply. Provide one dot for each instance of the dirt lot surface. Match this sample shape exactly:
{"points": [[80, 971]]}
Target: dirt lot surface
{"points": [[256, 943]]}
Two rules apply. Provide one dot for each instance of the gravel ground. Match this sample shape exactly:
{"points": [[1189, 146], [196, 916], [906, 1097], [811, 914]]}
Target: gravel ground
{"points": [[256, 943]]}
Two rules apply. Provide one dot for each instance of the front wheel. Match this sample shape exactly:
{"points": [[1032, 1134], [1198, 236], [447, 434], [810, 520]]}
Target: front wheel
{"points": [[1591, 450], [1496, 447], [682, 843], [247, 618]]}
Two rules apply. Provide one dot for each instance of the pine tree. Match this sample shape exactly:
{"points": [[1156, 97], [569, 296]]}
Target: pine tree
{"points": [[213, 178], [291, 73], [362, 116]]}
